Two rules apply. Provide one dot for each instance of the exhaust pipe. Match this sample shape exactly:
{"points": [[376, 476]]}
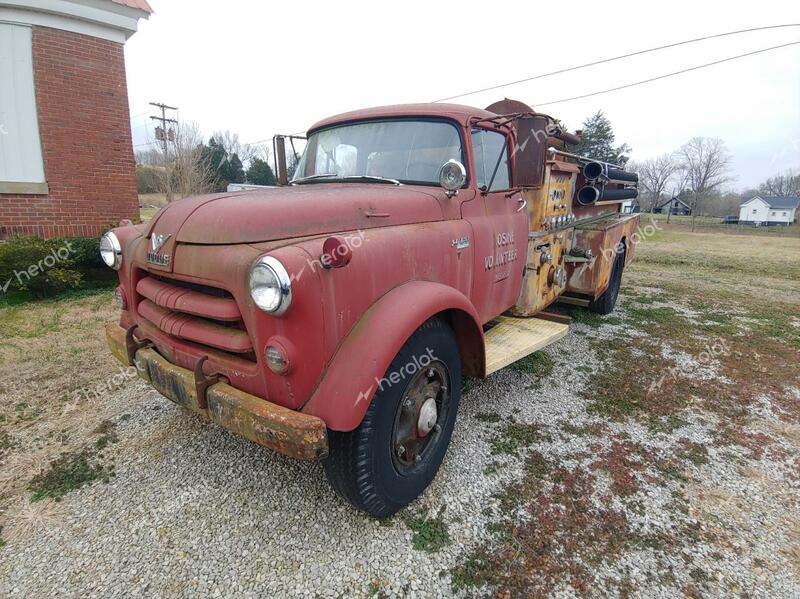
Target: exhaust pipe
{"points": [[589, 194], [595, 170]]}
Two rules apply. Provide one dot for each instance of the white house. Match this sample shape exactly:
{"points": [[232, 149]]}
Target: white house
{"points": [[769, 210]]}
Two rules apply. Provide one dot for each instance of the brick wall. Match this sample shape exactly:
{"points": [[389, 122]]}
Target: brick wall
{"points": [[82, 103]]}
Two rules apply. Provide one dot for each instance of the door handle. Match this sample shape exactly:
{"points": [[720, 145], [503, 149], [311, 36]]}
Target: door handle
{"points": [[523, 203]]}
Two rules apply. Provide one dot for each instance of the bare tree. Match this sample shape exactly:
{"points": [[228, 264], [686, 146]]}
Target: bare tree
{"points": [[705, 162], [654, 176], [231, 144], [786, 184], [189, 172]]}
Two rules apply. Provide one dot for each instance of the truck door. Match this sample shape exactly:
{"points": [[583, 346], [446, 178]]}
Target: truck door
{"points": [[499, 224]]}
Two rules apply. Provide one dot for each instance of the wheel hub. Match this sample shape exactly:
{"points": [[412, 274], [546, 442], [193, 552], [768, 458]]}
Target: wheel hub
{"points": [[416, 425], [427, 417]]}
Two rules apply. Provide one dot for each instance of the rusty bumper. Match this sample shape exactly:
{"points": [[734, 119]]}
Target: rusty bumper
{"points": [[283, 430]]}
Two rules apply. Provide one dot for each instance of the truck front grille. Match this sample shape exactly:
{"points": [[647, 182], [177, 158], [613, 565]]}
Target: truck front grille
{"points": [[203, 315]]}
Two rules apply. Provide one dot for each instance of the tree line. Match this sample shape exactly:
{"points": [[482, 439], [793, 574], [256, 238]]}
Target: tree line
{"points": [[696, 173], [190, 165]]}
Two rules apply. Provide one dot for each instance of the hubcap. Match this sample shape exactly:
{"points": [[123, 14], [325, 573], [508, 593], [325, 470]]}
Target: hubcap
{"points": [[417, 422], [427, 417]]}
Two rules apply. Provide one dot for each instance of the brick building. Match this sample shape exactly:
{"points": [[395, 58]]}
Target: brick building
{"points": [[66, 158]]}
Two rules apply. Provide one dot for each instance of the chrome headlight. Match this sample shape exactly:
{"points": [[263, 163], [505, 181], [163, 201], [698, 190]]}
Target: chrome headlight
{"points": [[111, 251], [270, 286]]}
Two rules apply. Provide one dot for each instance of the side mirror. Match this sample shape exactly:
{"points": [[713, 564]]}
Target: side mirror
{"points": [[532, 134], [452, 176]]}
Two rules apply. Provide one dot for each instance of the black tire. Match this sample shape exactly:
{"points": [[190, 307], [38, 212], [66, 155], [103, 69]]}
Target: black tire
{"points": [[363, 465], [606, 302]]}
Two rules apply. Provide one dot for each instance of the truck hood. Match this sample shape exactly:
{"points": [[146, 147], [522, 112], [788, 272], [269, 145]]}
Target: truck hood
{"points": [[288, 212]]}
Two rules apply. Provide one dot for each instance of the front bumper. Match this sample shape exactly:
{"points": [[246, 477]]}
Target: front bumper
{"points": [[283, 430]]}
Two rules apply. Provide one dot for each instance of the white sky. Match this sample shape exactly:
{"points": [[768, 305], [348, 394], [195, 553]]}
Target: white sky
{"points": [[259, 68]]}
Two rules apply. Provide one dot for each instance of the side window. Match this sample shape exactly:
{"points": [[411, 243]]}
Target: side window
{"points": [[490, 151]]}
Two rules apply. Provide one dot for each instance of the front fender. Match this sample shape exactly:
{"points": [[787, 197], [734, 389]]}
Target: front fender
{"points": [[362, 359]]}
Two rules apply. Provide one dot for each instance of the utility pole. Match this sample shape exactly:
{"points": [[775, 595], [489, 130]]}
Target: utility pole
{"points": [[165, 135]]}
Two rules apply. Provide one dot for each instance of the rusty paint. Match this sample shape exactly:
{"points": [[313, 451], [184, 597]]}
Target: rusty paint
{"points": [[346, 325], [601, 237], [286, 431], [115, 338]]}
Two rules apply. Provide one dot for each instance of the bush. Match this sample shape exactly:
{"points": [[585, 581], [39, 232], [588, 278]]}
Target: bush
{"points": [[149, 179], [44, 267]]}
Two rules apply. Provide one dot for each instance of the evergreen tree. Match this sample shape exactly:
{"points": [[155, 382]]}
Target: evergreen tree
{"points": [[224, 168], [234, 171], [598, 141], [260, 173]]}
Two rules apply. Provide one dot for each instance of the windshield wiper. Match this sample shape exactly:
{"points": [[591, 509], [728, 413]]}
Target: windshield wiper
{"points": [[312, 177], [326, 177], [373, 178]]}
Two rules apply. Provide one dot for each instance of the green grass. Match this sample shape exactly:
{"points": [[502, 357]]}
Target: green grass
{"points": [[77, 469], [67, 473], [490, 417], [430, 534], [516, 436], [538, 364], [587, 317]]}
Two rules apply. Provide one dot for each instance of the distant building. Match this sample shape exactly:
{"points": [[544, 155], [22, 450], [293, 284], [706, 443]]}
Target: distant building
{"points": [[673, 206], [769, 211], [66, 158]]}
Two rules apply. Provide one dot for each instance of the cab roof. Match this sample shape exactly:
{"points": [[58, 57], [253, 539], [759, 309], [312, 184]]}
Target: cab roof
{"points": [[457, 112]]}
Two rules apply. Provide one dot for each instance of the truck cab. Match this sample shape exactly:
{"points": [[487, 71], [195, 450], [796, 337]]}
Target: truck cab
{"points": [[334, 317]]}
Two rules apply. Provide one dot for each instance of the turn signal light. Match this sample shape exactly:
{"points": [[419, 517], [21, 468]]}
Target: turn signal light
{"points": [[336, 253]]}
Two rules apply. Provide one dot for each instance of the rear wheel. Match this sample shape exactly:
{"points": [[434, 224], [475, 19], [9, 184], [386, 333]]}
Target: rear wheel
{"points": [[606, 302], [389, 460]]}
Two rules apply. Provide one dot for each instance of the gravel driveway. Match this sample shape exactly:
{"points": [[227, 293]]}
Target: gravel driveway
{"points": [[194, 509]]}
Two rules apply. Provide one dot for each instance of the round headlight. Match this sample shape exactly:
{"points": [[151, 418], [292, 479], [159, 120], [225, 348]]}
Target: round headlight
{"points": [[111, 251], [452, 175], [270, 286]]}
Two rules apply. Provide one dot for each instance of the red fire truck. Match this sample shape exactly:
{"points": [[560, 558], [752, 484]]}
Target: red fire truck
{"points": [[334, 317]]}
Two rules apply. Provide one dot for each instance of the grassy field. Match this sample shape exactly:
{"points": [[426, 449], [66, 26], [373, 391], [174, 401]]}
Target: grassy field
{"points": [[698, 377], [686, 418], [715, 224], [149, 203]]}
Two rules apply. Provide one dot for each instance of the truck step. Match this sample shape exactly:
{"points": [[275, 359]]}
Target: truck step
{"points": [[511, 339]]}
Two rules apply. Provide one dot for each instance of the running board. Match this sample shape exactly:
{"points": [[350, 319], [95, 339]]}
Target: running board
{"points": [[512, 339]]}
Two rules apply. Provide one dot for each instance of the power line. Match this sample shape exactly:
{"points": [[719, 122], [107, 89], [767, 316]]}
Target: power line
{"points": [[620, 57], [651, 79]]}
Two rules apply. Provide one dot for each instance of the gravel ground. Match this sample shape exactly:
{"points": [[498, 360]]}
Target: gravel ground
{"points": [[194, 509]]}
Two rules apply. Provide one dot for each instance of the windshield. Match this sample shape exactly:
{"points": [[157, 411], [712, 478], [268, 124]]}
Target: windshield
{"points": [[402, 150]]}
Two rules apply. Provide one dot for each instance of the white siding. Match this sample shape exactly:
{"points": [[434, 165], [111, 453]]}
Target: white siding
{"points": [[20, 147], [756, 210], [781, 215]]}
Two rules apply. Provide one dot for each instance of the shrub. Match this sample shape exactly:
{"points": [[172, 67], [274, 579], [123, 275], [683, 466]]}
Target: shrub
{"points": [[149, 179], [44, 267]]}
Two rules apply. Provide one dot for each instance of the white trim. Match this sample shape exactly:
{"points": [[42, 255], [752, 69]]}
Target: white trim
{"points": [[754, 198], [98, 18]]}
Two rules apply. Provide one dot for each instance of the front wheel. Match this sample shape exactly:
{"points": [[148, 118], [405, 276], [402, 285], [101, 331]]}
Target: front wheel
{"points": [[394, 454]]}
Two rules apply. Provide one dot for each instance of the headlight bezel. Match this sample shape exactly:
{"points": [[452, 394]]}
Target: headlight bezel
{"points": [[115, 249], [283, 279]]}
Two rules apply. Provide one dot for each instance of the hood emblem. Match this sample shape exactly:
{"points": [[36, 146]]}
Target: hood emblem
{"points": [[157, 241]]}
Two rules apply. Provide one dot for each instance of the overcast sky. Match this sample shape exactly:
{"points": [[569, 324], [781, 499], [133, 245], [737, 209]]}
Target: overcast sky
{"points": [[258, 68]]}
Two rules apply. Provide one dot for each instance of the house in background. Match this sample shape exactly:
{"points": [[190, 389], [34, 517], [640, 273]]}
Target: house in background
{"points": [[66, 158], [673, 206], [769, 211]]}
